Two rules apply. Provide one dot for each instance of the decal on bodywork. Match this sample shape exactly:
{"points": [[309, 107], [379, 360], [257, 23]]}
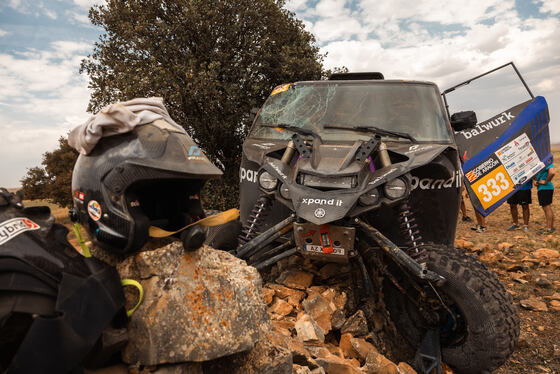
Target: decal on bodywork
{"points": [[332, 202], [94, 210], [280, 88], [13, 227]]}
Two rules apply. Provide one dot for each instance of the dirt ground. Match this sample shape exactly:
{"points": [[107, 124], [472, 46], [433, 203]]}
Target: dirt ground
{"points": [[509, 254]]}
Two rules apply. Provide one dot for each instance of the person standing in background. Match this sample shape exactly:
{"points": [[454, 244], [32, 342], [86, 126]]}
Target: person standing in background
{"points": [[545, 190], [521, 197]]}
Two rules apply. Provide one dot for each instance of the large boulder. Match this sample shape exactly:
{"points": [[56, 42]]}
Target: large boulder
{"points": [[197, 306]]}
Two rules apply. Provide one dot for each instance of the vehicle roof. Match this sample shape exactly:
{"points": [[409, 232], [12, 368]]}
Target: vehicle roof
{"points": [[369, 81]]}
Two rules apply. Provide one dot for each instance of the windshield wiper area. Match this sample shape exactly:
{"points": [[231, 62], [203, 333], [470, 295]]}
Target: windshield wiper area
{"points": [[293, 128], [374, 130]]}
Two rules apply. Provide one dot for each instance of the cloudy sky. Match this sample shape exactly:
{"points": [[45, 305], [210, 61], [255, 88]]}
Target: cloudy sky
{"points": [[42, 95]]}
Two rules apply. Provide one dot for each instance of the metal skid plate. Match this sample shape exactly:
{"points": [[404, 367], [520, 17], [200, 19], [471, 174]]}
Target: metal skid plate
{"points": [[326, 242]]}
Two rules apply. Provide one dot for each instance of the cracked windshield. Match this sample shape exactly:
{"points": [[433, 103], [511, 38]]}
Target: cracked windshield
{"points": [[327, 109]]}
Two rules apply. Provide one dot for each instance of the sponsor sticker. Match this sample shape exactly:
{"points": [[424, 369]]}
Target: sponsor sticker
{"points": [[482, 169], [94, 210], [13, 227]]}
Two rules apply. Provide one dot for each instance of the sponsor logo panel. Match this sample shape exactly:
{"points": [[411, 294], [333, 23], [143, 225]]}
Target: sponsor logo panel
{"points": [[520, 159], [13, 227]]}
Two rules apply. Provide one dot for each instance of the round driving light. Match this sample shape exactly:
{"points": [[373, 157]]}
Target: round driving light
{"points": [[267, 181], [395, 188], [285, 192], [370, 197]]}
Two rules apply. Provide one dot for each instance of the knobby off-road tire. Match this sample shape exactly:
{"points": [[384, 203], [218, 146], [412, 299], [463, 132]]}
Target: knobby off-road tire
{"points": [[489, 325]]}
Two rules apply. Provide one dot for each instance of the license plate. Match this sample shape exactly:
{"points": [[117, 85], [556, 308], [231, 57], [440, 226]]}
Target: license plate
{"points": [[318, 249]]}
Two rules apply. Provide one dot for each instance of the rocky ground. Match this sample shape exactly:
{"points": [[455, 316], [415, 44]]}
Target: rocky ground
{"points": [[307, 303], [529, 266], [315, 317]]}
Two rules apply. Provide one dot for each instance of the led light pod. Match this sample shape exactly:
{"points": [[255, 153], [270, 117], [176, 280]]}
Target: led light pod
{"points": [[267, 181]]}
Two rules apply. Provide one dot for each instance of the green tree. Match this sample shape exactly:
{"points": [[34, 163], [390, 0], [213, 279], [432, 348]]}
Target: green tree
{"points": [[53, 180], [212, 62]]}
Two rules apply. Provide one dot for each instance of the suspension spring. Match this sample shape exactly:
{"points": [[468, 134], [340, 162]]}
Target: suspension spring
{"points": [[254, 223], [409, 229]]}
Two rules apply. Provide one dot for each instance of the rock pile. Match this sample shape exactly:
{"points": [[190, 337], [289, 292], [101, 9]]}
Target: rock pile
{"points": [[315, 317], [208, 312]]}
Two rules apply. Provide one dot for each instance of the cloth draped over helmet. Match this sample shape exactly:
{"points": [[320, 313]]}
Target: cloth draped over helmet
{"points": [[118, 118]]}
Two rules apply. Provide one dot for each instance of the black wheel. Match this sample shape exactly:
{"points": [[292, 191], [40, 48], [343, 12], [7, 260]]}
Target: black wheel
{"points": [[474, 314]]}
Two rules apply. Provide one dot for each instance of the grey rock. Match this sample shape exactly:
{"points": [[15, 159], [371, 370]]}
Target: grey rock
{"points": [[197, 306], [185, 368], [356, 324], [265, 358], [300, 369], [308, 330]]}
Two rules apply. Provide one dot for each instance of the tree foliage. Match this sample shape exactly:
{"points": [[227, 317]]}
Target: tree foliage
{"points": [[212, 62], [53, 180]]}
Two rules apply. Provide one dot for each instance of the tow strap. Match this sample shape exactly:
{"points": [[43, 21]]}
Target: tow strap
{"points": [[215, 220]]}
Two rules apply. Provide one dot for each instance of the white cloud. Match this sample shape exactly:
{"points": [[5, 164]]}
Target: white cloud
{"points": [[49, 13], [42, 98], [552, 6], [447, 44], [86, 4], [80, 18], [3, 33], [295, 5], [34, 7]]}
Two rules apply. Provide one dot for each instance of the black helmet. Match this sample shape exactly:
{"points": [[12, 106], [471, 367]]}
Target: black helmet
{"points": [[151, 175]]}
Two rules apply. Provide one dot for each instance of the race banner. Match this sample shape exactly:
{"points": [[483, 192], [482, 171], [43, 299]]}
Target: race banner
{"points": [[503, 153]]}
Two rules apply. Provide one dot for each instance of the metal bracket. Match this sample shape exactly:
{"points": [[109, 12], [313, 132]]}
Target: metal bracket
{"points": [[302, 149], [366, 149], [398, 254], [428, 356]]}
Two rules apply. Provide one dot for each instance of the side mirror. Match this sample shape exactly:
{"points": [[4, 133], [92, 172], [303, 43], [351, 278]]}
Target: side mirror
{"points": [[463, 120]]}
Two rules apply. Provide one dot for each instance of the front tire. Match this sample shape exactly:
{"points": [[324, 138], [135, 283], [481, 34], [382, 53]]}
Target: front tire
{"points": [[482, 330]]}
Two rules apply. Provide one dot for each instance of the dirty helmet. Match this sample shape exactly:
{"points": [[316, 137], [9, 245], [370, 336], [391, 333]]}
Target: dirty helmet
{"points": [[150, 176]]}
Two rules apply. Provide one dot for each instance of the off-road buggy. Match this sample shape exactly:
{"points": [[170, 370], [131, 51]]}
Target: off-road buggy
{"points": [[362, 170]]}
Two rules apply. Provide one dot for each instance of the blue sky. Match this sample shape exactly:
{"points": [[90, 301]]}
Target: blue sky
{"points": [[42, 95]]}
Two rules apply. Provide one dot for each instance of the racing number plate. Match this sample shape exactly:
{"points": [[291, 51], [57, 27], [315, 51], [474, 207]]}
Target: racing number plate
{"points": [[493, 186], [325, 241]]}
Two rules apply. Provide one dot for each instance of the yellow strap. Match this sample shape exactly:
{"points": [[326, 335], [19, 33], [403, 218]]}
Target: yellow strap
{"points": [[215, 220], [132, 282], [77, 232]]}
